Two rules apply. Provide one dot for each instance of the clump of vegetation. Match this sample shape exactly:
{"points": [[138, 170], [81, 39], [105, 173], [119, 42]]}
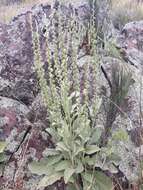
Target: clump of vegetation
{"points": [[125, 11], [70, 93], [121, 80]]}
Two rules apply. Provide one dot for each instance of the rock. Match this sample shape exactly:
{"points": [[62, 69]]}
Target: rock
{"points": [[38, 110], [25, 141], [127, 118], [16, 61], [131, 40]]}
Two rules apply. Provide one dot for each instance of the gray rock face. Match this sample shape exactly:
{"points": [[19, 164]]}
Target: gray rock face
{"points": [[16, 60], [131, 40], [25, 141]]}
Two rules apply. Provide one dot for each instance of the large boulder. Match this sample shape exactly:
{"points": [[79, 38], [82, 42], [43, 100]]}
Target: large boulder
{"points": [[131, 41], [24, 142]]}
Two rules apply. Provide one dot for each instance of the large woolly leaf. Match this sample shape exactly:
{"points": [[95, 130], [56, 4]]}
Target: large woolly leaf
{"points": [[91, 149], [103, 181], [62, 165], [67, 174], [51, 160], [40, 168], [99, 179], [44, 166], [2, 146], [96, 135], [79, 168], [50, 179]]}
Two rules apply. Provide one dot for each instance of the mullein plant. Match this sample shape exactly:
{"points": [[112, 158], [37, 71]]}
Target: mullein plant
{"points": [[76, 157]]}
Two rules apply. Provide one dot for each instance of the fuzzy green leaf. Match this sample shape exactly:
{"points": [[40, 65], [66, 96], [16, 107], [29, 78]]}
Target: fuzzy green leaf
{"points": [[79, 168], [62, 165], [96, 135], [103, 181], [91, 149], [50, 179], [44, 166], [40, 168], [68, 174], [99, 179], [51, 160]]}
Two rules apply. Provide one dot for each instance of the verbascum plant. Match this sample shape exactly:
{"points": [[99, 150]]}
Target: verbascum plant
{"points": [[77, 159]]}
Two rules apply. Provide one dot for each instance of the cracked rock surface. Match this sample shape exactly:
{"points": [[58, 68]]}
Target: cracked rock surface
{"points": [[25, 142]]}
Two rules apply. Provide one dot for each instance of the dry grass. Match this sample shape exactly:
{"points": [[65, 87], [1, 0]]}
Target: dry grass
{"points": [[7, 12], [124, 11]]}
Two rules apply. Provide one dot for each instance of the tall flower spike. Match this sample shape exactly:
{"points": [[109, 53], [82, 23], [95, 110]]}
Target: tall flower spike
{"points": [[38, 65]]}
